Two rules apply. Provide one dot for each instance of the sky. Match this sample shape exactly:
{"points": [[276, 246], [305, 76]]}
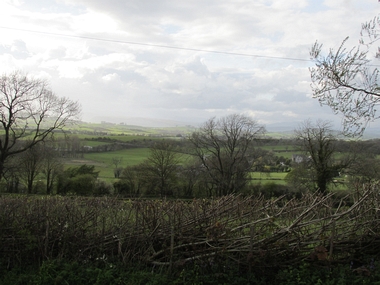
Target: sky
{"points": [[182, 62]]}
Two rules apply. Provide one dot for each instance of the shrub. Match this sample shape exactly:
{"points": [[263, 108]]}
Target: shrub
{"points": [[102, 188], [82, 184], [273, 190], [78, 180], [122, 187]]}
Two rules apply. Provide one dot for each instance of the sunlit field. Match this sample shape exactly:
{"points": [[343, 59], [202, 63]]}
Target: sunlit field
{"points": [[268, 177]]}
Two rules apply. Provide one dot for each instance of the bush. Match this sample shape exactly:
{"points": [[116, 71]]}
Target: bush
{"points": [[271, 189], [122, 187], [82, 184], [78, 180], [39, 187], [102, 188]]}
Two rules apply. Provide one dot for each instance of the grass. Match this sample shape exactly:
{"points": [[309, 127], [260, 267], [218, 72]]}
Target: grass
{"points": [[129, 156], [282, 150], [94, 143], [269, 175], [103, 164], [111, 137], [266, 177], [103, 161], [105, 133], [123, 129]]}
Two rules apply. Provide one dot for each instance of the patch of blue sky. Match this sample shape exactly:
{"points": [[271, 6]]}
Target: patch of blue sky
{"points": [[48, 6], [276, 36], [170, 29], [146, 58], [315, 7]]}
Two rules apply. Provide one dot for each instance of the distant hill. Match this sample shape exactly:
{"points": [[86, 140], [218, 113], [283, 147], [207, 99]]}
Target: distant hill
{"points": [[280, 129], [142, 122]]}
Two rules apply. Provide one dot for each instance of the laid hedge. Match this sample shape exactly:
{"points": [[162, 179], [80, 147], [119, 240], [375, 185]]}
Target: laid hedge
{"points": [[232, 235]]}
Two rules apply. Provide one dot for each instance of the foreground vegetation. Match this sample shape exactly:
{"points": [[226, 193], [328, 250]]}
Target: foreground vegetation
{"points": [[201, 241], [106, 273]]}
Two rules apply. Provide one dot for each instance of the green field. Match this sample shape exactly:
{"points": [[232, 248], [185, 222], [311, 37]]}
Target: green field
{"points": [[268, 177], [94, 135], [140, 138], [130, 157], [103, 160]]}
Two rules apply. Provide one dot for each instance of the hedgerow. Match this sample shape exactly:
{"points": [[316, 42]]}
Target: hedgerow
{"points": [[253, 238]]}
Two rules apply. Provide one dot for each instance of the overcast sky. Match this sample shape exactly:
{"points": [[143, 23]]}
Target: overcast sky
{"points": [[147, 58]]}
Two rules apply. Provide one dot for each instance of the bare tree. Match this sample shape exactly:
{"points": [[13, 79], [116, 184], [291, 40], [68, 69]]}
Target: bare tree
{"points": [[346, 80], [11, 176], [318, 141], [132, 180], [370, 33], [116, 161], [301, 178], [28, 108], [161, 165], [30, 165], [222, 147], [190, 177], [52, 166]]}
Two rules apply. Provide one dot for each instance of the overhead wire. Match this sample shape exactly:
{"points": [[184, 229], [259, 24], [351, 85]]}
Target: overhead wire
{"points": [[157, 45], [165, 46]]}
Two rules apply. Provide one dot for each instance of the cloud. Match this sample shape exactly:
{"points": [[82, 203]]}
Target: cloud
{"points": [[110, 55]]}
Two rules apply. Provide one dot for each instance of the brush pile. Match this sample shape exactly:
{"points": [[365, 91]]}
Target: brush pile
{"points": [[250, 232]]}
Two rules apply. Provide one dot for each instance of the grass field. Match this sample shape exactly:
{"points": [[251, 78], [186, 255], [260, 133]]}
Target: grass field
{"points": [[101, 134], [282, 150], [103, 160], [268, 177], [124, 129], [130, 157]]}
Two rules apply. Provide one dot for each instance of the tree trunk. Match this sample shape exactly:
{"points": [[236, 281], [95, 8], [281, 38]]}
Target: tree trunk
{"points": [[49, 183], [322, 183], [1, 170]]}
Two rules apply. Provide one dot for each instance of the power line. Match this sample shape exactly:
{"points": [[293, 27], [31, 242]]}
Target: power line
{"points": [[158, 45], [165, 46]]}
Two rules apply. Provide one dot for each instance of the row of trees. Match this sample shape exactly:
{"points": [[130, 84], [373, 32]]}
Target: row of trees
{"points": [[222, 147], [218, 159], [22, 169], [222, 163], [40, 169]]}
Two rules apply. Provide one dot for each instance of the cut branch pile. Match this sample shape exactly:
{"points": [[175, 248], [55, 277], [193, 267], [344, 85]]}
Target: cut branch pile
{"points": [[247, 231]]}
